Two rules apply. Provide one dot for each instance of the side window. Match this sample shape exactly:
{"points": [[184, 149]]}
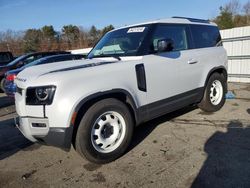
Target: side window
{"points": [[178, 33], [205, 36], [29, 59]]}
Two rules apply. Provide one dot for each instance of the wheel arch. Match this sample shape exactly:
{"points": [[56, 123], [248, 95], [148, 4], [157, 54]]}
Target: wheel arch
{"points": [[82, 107], [220, 69], [206, 103]]}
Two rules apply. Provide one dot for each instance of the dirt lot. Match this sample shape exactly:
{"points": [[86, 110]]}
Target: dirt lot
{"points": [[187, 148]]}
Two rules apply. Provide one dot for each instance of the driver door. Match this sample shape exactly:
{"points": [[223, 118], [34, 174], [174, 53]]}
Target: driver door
{"points": [[172, 76]]}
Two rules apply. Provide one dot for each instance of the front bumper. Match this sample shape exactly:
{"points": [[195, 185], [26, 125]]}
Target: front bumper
{"points": [[38, 130]]}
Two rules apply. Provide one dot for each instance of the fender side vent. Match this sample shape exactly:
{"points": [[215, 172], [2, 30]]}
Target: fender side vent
{"points": [[141, 77]]}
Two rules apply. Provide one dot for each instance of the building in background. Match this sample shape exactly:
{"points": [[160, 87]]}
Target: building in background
{"points": [[237, 43]]}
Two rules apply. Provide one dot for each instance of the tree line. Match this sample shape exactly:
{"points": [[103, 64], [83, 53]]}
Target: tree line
{"points": [[232, 14], [47, 39]]}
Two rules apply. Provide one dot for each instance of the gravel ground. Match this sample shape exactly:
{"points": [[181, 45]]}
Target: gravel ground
{"points": [[187, 148]]}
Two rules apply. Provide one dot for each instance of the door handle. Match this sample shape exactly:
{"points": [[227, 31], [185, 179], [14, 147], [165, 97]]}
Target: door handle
{"points": [[192, 61]]}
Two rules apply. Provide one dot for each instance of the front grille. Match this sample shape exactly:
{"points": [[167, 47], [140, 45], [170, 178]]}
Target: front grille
{"points": [[19, 90]]}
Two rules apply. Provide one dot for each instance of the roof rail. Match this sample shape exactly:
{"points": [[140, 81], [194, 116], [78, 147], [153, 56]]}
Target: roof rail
{"points": [[193, 19]]}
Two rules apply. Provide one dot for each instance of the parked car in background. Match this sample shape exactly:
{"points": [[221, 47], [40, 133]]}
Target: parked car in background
{"points": [[10, 86], [24, 60], [5, 58]]}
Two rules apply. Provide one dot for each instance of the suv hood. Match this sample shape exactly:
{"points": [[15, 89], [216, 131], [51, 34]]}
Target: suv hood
{"points": [[34, 72]]}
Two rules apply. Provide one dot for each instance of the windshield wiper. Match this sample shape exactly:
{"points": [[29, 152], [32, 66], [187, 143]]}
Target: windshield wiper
{"points": [[117, 57]]}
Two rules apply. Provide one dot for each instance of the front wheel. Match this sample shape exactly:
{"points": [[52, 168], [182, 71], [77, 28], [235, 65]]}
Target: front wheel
{"points": [[105, 131], [214, 95]]}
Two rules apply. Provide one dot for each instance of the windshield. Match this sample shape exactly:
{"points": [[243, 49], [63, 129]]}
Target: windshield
{"points": [[36, 62], [17, 60], [122, 42]]}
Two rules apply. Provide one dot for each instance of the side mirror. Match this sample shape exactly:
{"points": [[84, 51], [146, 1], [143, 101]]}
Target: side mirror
{"points": [[165, 45]]}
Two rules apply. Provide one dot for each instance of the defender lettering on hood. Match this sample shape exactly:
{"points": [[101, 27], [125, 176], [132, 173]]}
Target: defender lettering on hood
{"points": [[21, 79]]}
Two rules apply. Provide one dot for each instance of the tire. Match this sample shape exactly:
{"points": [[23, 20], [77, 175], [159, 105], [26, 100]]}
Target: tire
{"points": [[214, 95], [105, 131]]}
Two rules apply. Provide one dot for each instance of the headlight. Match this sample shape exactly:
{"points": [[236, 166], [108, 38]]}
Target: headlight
{"points": [[40, 95]]}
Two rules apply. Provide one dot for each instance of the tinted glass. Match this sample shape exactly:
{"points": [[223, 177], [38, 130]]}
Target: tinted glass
{"points": [[29, 59], [178, 33], [205, 36], [17, 60], [36, 62]]}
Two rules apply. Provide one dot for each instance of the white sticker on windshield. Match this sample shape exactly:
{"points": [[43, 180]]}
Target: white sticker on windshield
{"points": [[136, 30]]}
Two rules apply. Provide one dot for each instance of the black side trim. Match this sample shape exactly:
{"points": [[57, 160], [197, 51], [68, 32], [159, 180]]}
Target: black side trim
{"points": [[155, 109], [170, 104], [58, 137], [141, 77]]}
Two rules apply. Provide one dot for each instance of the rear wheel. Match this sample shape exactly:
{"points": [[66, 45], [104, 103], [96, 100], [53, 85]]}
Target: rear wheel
{"points": [[214, 95], [105, 131]]}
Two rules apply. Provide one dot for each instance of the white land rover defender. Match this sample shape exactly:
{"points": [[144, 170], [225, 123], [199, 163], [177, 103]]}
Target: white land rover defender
{"points": [[132, 75]]}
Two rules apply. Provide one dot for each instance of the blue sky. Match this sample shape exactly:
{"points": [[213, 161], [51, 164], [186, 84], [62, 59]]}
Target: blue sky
{"points": [[24, 14]]}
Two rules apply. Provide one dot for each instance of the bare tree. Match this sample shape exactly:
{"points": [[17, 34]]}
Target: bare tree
{"points": [[83, 38], [11, 41], [233, 7], [246, 8], [47, 39]]}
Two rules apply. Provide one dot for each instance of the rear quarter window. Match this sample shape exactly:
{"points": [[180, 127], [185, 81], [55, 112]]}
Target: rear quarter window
{"points": [[205, 36]]}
